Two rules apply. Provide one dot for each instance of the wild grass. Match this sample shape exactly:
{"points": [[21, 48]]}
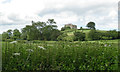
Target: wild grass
{"points": [[60, 56]]}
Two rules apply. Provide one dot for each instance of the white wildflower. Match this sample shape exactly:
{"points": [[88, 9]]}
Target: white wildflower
{"points": [[105, 45], [77, 45], [41, 47], [13, 42], [109, 45], [29, 50], [16, 54]]}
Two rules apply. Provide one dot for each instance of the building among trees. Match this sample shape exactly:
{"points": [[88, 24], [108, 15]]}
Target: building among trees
{"points": [[71, 26]]}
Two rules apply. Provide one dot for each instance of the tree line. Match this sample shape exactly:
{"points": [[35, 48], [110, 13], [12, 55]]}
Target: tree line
{"points": [[97, 35], [48, 31], [37, 31]]}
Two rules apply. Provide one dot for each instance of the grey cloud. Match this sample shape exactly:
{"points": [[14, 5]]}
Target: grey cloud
{"points": [[16, 19], [6, 1], [100, 9]]}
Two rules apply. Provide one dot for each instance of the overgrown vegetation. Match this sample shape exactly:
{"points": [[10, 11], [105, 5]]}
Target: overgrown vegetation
{"points": [[98, 55]]}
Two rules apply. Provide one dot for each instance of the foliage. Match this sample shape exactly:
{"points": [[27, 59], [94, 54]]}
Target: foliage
{"points": [[60, 56], [48, 31], [79, 36], [62, 37], [94, 35], [41, 31], [91, 25], [81, 28], [16, 34], [112, 34], [5, 36], [9, 33], [65, 28]]}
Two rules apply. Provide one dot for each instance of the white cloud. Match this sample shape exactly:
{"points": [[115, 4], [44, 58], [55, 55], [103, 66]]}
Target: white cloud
{"points": [[79, 12]]}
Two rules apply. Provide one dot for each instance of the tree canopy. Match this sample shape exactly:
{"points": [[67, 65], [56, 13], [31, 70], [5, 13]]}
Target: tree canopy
{"points": [[91, 25]]}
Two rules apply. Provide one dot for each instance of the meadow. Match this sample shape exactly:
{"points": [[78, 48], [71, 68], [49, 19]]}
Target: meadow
{"points": [[60, 55]]}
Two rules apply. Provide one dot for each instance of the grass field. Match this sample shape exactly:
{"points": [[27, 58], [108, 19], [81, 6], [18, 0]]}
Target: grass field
{"points": [[53, 55], [70, 33]]}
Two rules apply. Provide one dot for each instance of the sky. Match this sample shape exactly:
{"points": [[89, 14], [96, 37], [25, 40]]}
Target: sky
{"points": [[19, 13]]}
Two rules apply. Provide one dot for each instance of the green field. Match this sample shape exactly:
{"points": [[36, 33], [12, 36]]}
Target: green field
{"points": [[60, 55], [70, 33]]}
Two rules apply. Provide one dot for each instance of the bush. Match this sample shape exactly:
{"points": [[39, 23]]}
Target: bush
{"points": [[79, 36], [94, 35], [110, 35]]}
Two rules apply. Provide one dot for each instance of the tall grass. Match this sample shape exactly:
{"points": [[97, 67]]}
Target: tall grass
{"points": [[60, 56]]}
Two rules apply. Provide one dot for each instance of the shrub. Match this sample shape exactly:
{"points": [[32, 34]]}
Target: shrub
{"points": [[94, 35], [79, 36]]}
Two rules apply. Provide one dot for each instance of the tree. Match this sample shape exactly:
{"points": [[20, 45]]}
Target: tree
{"points": [[62, 37], [94, 35], [79, 36], [112, 34], [9, 33], [5, 36], [16, 34], [51, 23], [54, 35], [91, 25], [81, 28]]}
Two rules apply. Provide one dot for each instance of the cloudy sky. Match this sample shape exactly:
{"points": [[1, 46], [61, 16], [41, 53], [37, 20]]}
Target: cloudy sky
{"points": [[18, 13]]}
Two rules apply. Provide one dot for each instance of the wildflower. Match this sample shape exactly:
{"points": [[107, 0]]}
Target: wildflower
{"points": [[105, 45], [41, 47], [16, 54], [13, 42], [29, 50], [77, 45], [109, 45]]}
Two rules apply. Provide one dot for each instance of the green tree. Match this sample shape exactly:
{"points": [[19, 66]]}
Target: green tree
{"points": [[62, 37], [94, 35], [91, 25], [112, 34], [51, 23], [40, 31], [54, 35], [79, 36], [5, 36], [9, 33], [16, 34], [27, 32], [81, 28]]}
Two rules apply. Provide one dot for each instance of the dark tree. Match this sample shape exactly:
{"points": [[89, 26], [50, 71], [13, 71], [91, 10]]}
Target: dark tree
{"points": [[91, 25], [16, 34], [81, 28]]}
